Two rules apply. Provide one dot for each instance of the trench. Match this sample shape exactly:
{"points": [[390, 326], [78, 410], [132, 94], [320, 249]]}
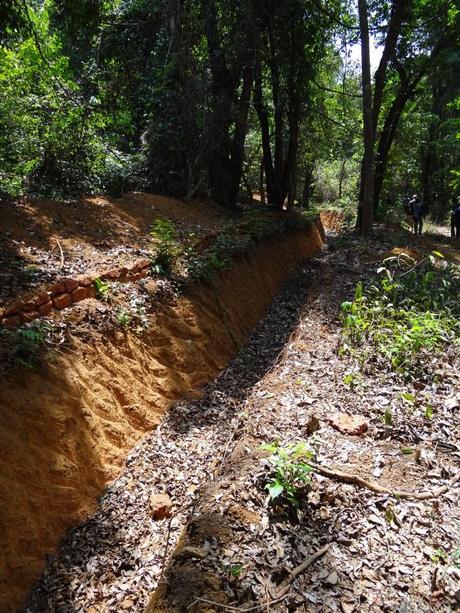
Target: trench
{"points": [[67, 427]]}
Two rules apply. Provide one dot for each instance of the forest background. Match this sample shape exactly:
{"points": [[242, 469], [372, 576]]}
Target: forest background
{"points": [[218, 99]]}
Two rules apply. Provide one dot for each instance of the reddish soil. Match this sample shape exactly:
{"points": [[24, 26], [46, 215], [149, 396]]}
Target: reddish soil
{"points": [[94, 234], [68, 424]]}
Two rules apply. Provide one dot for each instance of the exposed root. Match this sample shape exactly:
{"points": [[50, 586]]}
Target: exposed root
{"points": [[285, 585], [379, 489]]}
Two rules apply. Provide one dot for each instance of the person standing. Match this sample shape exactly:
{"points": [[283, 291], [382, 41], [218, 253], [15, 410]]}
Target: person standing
{"points": [[455, 220], [417, 210]]}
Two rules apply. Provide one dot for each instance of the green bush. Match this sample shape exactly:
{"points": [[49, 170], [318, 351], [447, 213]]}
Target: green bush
{"points": [[167, 248], [411, 312], [289, 470]]}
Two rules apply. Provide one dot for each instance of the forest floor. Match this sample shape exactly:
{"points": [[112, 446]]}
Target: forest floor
{"points": [[225, 545], [94, 234]]}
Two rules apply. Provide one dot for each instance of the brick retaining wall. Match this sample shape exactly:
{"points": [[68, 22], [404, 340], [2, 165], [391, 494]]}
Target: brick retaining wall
{"points": [[65, 292]]}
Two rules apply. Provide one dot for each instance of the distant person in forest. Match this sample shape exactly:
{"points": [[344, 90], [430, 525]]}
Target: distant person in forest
{"points": [[455, 220], [417, 211]]}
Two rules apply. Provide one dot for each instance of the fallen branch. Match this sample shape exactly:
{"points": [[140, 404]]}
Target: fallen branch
{"points": [[230, 608], [298, 570], [380, 489]]}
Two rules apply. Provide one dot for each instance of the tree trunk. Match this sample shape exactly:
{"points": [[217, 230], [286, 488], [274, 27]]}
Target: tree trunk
{"points": [[367, 178], [226, 153]]}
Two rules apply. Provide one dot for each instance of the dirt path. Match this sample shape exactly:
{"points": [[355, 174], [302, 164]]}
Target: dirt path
{"points": [[384, 554]]}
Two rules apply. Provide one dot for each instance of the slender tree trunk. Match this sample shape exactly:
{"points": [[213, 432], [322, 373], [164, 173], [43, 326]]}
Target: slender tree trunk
{"points": [[342, 177], [226, 154], [367, 178], [307, 185], [261, 182]]}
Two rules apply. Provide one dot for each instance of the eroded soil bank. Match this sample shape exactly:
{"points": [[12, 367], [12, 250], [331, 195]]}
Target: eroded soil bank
{"points": [[67, 427]]}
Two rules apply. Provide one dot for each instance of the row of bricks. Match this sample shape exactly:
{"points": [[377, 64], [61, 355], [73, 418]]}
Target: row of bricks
{"points": [[63, 294]]}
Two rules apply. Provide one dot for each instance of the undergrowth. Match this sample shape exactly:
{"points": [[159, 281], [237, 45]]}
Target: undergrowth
{"points": [[289, 470], [407, 315], [170, 256], [26, 343]]}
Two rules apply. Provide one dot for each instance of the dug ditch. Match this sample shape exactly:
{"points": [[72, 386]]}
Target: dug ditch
{"points": [[68, 426]]}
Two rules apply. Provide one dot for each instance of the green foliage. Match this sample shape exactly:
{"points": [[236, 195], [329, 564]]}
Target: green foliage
{"points": [[26, 343], [103, 289], [123, 318], [167, 248], [409, 313], [290, 471]]}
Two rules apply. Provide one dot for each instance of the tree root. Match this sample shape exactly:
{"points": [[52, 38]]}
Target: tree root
{"points": [[298, 570], [379, 489]]}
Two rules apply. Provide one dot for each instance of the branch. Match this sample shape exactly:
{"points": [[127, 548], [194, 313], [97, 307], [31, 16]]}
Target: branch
{"points": [[379, 489], [284, 587], [336, 91]]}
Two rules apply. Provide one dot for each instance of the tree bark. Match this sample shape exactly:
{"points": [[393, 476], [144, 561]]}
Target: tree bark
{"points": [[367, 177], [226, 153]]}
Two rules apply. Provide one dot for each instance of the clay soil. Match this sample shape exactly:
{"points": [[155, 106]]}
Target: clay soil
{"points": [[70, 418], [225, 546]]}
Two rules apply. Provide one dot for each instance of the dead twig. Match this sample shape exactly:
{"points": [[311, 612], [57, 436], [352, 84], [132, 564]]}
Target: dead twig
{"points": [[379, 489], [230, 608], [165, 553], [298, 570], [61, 252]]}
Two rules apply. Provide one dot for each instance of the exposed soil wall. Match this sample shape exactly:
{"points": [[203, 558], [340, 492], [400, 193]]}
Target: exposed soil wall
{"points": [[67, 427]]}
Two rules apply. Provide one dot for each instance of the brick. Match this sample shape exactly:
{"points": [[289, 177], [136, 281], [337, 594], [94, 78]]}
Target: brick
{"points": [[56, 289], [83, 280], [122, 273], [140, 265], [42, 298], [111, 274], [11, 322], [13, 309], [62, 301], [45, 309], [70, 285], [79, 294], [30, 305], [349, 424], [29, 316], [160, 506]]}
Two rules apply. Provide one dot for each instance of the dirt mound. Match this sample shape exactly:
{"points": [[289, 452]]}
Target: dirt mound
{"points": [[93, 234], [333, 221], [67, 427]]}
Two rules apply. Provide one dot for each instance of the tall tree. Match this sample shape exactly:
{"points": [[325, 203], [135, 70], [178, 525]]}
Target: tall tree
{"points": [[232, 71], [367, 173]]}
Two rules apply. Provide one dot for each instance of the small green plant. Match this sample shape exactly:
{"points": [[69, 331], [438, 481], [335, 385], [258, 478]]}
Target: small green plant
{"points": [[25, 343], [167, 248], [103, 289], [388, 417], [410, 313], [290, 471], [123, 318], [236, 570], [439, 555], [428, 412], [350, 380]]}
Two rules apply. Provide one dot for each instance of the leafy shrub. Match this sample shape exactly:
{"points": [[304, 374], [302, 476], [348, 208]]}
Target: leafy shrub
{"points": [[102, 289], [25, 343], [290, 471], [167, 247], [411, 312], [123, 318]]}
